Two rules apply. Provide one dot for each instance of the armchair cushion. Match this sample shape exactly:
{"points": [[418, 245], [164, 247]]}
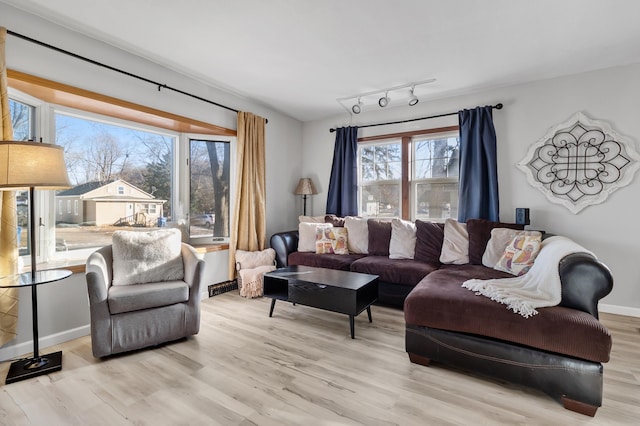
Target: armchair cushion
{"points": [[128, 298], [147, 257]]}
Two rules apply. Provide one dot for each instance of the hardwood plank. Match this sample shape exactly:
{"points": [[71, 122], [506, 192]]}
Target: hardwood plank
{"points": [[298, 367]]}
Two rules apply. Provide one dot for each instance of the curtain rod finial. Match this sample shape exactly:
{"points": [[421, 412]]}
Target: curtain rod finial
{"points": [[498, 106]]}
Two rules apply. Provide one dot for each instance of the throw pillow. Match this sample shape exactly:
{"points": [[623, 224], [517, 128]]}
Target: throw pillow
{"points": [[331, 240], [455, 245], [403, 239], [252, 259], [334, 220], [479, 234], [147, 257], [429, 238], [520, 254], [307, 235], [358, 231], [379, 236], [500, 239], [311, 219]]}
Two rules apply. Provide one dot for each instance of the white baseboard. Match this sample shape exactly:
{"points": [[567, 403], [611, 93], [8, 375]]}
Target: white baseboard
{"points": [[20, 349], [619, 310]]}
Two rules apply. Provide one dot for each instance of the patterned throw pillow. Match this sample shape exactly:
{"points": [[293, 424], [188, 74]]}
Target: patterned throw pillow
{"points": [[520, 254], [332, 240]]}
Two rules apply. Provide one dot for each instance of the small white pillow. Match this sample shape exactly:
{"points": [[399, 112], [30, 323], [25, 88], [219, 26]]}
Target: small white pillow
{"points": [[500, 239], [311, 219], [253, 259], [455, 247], [403, 239], [147, 257], [307, 235], [358, 230]]}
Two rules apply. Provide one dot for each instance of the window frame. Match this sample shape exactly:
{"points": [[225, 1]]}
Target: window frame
{"points": [[407, 211], [44, 129]]}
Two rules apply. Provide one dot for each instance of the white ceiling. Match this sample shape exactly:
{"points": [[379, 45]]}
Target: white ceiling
{"points": [[299, 56]]}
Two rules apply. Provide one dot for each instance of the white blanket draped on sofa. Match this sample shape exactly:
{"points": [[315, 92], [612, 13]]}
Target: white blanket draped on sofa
{"points": [[537, 288]]}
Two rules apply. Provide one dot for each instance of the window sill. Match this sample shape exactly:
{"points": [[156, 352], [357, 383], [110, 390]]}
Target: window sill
{"points": [[77, 266]]}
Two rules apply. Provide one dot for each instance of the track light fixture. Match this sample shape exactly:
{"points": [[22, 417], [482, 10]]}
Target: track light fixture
{"points": [[384, 101], [369, 98], [356, 108], [413, 99]]}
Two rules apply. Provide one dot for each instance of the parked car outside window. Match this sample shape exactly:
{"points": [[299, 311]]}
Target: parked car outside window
{"points": [[205, 220]]}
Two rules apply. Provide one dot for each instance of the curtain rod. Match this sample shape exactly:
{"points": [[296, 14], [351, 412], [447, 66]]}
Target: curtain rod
{"points": [[100, 64], [496, 106]]}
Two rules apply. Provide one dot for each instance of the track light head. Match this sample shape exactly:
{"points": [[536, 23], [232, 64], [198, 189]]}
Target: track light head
{"points": [[413, 99], [384, 101], [356, 107]]}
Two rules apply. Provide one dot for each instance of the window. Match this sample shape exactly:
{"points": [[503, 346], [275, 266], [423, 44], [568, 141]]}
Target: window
{"points": [[434, 183], [412, 175], [380, 179], [113, 166], [210, 182]]}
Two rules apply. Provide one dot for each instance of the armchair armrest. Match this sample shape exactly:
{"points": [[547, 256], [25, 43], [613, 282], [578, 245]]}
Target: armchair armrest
{"points": [[99, 274], [193, 267], [284, 243], [585, 280]]}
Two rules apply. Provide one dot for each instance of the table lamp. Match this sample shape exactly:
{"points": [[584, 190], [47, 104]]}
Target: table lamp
{"points": [[33, 165], [305, 187]]}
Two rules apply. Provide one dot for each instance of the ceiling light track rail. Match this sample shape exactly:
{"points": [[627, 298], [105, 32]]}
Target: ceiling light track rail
{"points": [[160, 86], [496, 106]]}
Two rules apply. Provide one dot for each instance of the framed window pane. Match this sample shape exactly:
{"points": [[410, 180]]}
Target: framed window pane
{"points": [[436, 201], [382, 200], [209, 204], [380, 179], [117, 172]]}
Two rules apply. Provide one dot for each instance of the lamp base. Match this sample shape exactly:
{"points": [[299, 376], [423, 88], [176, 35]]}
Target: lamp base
{"points": [[32, 367]]}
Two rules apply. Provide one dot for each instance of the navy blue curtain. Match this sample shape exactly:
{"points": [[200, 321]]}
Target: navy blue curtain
{"points": [[342, 197], [478, 166]]}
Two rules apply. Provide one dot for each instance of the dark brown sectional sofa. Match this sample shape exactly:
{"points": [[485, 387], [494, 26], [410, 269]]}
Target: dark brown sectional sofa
{"points": [[559, 351]]}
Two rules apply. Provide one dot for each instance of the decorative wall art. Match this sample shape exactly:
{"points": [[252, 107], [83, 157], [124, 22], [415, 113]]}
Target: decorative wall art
{"points": [[580, 162]]}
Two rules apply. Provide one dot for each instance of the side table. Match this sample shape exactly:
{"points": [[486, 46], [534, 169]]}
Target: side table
{"points": [[37, 365]]}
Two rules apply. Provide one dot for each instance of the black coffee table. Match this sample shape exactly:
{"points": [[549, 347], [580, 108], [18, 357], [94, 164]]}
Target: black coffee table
{"points": [[332, 290]]}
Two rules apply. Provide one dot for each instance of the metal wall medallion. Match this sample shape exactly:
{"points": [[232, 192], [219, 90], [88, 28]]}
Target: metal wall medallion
{"points": [[580, 162]]}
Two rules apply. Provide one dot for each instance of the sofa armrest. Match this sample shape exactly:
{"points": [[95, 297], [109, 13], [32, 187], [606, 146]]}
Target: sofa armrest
{"points": [[284, 243], [585, 280], [193, 267]]}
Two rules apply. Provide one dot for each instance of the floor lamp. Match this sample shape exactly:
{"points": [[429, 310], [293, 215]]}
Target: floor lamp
{"points": [[33, 165], [305, 187]]}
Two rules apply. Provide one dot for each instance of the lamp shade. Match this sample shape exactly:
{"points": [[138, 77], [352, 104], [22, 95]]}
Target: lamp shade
{"points": [[32, 164], [305, 187]]}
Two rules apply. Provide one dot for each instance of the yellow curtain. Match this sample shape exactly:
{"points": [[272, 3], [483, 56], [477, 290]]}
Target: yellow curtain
{"points": [[8, 218], [248, 224]]}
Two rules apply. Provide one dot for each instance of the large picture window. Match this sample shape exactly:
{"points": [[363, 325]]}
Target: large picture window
{"points": [[412, 175]]}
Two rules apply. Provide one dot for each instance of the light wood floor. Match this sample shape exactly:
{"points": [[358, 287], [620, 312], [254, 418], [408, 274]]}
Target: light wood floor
{"points": [[300, 368]]}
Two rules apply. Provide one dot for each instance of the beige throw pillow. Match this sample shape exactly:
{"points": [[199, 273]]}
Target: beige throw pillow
{"points": [[147, 257], [358, 230], [500, 239], [307, 235], [403, 239], [455, 247]]}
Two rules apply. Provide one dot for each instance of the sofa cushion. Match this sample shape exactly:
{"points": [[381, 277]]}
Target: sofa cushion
{"points": [[439, 301], [128, 298], [331, 261], [396, 271], [358, 230], [455, 246], [403, 239], [429, 237], [334, 220], [500, 239], [479, 234], [520, 254], [379, 236], [331, 240], [307, 235]]}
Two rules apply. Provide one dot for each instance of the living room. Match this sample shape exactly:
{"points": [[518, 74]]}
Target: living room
{"points": [[306, 148]]}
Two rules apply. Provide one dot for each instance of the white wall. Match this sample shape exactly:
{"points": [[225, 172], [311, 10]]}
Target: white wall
{"points": [[607, 229], [283, 141]]}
